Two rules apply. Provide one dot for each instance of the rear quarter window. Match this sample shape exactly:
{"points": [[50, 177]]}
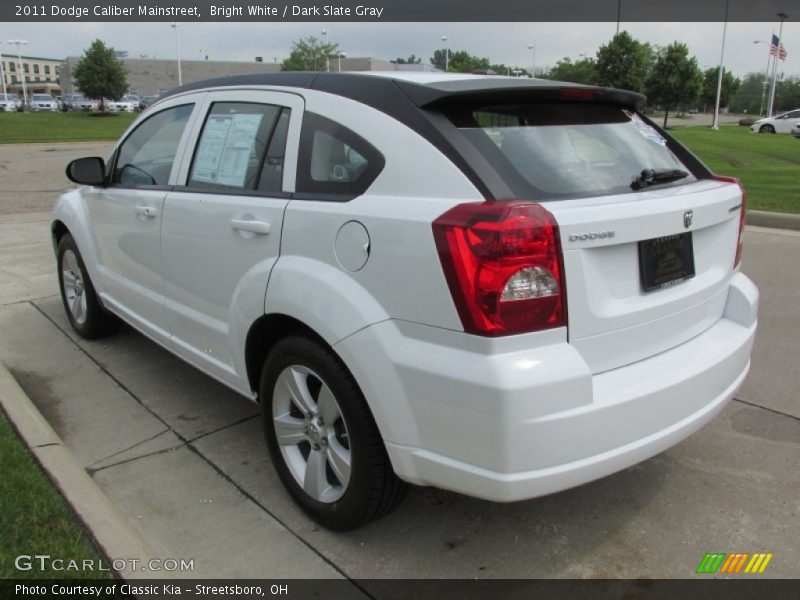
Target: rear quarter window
{"points": [[334, 162]]}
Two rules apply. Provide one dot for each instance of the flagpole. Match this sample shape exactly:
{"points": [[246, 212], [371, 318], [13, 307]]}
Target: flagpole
{"points": [[715, 124], [766, 76], [783, 16]]}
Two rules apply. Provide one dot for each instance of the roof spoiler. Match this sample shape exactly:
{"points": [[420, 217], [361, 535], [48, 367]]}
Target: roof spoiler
{"points": [[493, 89]]}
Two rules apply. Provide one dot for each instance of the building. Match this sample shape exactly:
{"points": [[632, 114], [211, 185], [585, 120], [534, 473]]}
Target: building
{"points": [[42, 75], [368, 63], [152, 76]]}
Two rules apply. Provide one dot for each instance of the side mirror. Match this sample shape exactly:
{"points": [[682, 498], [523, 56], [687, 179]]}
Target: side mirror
{"points": [[87, 171]]}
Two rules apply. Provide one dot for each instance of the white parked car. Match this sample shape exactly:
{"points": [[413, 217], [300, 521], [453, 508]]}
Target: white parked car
{"points": [[796, 131], [9, 103], [782, 123], [497, 286], [129, 103], [42, 103]]}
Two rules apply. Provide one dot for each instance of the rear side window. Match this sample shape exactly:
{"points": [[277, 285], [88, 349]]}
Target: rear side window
{"points": [[147, 154], [334, 161], [238, 148], [553, 150]]}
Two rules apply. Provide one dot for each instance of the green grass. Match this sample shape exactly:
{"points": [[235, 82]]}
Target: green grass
{"points": [[34, 518], [767, 165], [62, 127]]}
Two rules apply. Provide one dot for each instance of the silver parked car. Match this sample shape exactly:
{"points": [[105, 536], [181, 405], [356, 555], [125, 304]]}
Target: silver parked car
{"points": [[42, 103], [81, 103]]}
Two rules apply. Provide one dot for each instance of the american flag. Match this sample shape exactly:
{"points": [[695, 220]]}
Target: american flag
{"points": [[776, 48]]}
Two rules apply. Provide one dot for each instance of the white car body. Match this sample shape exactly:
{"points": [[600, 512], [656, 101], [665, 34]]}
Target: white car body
{"points": [[782, 123], [796, 131], [9, 103], [502, 418]]}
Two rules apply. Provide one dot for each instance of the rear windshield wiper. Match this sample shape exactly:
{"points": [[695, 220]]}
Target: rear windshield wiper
{"points": [[650, 177]]}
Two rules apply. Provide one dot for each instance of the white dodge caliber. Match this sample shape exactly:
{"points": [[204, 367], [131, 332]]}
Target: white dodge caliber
{"points": [[496, 286]]}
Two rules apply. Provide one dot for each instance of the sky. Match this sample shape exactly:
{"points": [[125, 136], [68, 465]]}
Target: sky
{"points": [[500, 42]]}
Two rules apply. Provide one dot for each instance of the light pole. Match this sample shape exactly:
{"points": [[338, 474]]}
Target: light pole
{"points": [[782, 17], [619, 13], [446, 54], [715, 124], [324, 44], [177, 52], [3, 76], [339, 65], [19, 44], [532, 48], [766, 76]]}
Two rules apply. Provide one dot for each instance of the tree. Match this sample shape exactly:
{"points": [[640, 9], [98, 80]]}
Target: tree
{"points": [[310, 54], [460, 61], [581, 71], [787, 94], [411, 60], [750, 96], [624, 63], [675, 79], [464, 62], [730, 83], [100, 74], [437, 60]]}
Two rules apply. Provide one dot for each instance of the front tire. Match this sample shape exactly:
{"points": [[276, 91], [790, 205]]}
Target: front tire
{"points": [[766, 129], [322, 438], [85, 313]]}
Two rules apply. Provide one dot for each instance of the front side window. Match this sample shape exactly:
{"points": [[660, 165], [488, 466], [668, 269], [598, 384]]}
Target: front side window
{"points": [[334, 160], [238, 148], [146, 156]]}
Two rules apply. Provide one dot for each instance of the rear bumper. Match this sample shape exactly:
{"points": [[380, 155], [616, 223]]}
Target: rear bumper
{"points": [[511, 425]]}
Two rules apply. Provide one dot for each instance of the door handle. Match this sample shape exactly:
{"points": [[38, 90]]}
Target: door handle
{"points": [[259, 227], [145, 211]]}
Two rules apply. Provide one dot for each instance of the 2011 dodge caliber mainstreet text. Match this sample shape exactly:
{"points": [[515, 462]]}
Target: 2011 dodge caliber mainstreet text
{"points": [[497, 286]]}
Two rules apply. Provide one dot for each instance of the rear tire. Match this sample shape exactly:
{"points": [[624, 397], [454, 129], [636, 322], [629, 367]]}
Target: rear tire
{"points": [[85, 313], [766, 129], [322, 437]]}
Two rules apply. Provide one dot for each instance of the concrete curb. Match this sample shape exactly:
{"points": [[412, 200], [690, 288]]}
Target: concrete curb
{"points": [[109, 528], [776, 220]]}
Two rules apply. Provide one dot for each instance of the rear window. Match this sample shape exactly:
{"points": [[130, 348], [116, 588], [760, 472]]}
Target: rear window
{"points": [[555, 150]]}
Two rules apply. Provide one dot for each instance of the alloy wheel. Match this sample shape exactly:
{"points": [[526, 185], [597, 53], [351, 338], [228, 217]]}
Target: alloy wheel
{"points": [[74, 286], [311, 433]]}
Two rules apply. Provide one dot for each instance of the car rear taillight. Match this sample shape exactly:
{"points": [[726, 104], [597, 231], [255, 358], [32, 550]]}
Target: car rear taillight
{"points": [[504, 267], [740, 243]]}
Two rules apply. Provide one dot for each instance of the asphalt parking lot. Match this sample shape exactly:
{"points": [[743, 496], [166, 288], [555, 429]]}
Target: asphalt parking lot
{"points": [[184, 459]]}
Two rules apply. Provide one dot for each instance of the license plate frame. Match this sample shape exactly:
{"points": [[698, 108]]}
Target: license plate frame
{"points": [[666, 261]]}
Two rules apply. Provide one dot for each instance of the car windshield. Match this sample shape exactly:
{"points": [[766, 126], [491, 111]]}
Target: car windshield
{"points": [[41, 98], [562, 149]]}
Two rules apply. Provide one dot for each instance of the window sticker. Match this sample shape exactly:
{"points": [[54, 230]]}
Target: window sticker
{"points": [[645, 130], [225, 148]]}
